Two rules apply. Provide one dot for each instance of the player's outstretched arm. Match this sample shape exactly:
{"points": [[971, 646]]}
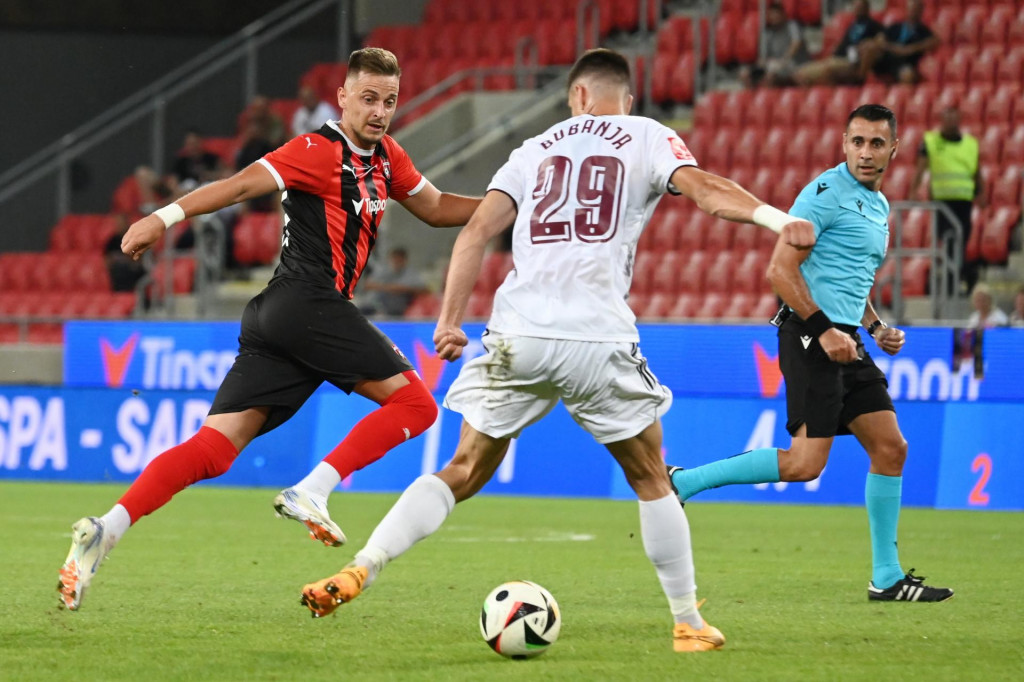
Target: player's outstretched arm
{"points": [[789, 283], [440, 209], [248, 183], [496, 212], [723, 198]]}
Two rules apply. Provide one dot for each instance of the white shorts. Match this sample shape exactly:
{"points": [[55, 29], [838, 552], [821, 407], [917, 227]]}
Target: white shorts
{"points": [[606, 386]]}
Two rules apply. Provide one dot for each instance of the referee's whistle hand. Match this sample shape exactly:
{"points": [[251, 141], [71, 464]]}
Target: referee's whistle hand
{"points": [[799, 234], [838, 345], [890, 340], [142, 235]]}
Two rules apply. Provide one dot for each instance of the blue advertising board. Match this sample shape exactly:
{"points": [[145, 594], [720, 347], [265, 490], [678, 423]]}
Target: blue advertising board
{"points": [[133, 390]]}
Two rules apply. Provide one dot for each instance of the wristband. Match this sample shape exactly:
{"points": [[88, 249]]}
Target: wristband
{"points": [[873, 327], [772, 218], [818, 323], [170, 214]]}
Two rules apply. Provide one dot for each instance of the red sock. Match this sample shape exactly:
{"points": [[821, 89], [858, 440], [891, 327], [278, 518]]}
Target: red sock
{"points": [[405, 414], [207, 454]]}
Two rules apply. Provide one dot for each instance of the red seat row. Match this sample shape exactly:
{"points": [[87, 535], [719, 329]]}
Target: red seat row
{"points": [[58, 272], [724, 272], [257, 238], [82, 232], [662, 306], [64, 304]]}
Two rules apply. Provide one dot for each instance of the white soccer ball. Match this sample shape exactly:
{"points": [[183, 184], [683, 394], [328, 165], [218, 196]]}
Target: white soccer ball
{"points": [[520, 619]]}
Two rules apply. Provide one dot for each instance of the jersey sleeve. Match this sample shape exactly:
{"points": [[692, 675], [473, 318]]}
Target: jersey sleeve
{"points": [[510, 178], [305, 163], [405, 179], [666, 152], [814, 206]]}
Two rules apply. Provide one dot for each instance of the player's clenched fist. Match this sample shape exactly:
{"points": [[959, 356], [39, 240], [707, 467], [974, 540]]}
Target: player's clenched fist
{"points": [[799, 234], [449, 342], [142, 235]]}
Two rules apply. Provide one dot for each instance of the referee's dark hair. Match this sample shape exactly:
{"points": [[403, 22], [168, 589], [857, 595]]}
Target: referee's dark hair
{"points": [[874, 112], [602, 62]]}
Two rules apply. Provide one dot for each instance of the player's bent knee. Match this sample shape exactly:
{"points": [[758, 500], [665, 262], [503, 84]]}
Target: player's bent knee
{"points": [[419, 410]]}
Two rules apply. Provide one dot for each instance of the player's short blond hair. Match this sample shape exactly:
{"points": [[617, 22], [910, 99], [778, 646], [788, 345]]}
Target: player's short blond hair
{"points": [[374, 60]]}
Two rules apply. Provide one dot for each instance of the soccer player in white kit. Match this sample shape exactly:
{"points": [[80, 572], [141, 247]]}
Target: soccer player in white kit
{"points": [[579, 196]]}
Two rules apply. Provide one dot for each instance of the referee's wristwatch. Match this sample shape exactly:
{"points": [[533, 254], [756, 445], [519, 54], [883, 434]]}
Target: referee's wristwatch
{"points": [[875, 326]]}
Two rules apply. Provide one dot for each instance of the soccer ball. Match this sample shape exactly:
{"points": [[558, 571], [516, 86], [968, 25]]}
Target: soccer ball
{"points": [[520, 619]]}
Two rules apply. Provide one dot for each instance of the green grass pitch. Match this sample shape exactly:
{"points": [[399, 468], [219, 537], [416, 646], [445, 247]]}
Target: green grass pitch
{"points": [[208, 589]]}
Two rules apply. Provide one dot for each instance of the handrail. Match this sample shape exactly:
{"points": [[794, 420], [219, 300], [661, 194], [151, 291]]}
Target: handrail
{"points": [[154, 96], [945, 261]]}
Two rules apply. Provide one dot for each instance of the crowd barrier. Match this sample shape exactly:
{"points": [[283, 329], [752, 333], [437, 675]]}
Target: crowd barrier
{"points": [[133, 389]]}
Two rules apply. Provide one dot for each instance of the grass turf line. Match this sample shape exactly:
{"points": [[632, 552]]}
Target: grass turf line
{"points": [[208, 589]]}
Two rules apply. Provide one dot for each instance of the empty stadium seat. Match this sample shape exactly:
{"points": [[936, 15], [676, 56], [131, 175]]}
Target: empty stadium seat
{"points": [[691, 279], [995, 234], [424, 306], [257, 238], [712, 305], [683, 307]]}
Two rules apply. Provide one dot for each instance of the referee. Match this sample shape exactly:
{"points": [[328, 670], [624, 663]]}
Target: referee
{"points": [[833, 388]]}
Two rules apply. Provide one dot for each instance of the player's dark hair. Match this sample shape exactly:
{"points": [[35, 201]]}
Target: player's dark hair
{"points": [[601, 62], [874, 112], [374, 60]]}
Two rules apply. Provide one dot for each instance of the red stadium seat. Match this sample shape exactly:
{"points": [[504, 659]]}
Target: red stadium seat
{"points": [[1013, 147], [746, 149], [896, 185], [479, 306], [745, 236], [789, 185], [814, 102], [734, 104], [957, 67], [718, 277], [739, 306], [983, 68], [759, 109], [995, 234], [930, 68], [915, 275], [1006, 186], [916, 228], [787, 105], [745, 49], [712, 306], [993, 31], [765, 307], [968, 27], [944, 25], [424, 306], [749, 273], [657, 306], [643, 271], [691, 280], [667, 269], [727, 29], [972, 251], [46, 333], [918, 108], [683, 307], [719, 237], [833, 31]]}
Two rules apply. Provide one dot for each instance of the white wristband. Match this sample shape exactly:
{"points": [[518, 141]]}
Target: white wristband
{"points": [[170, 214], [772, 218]]}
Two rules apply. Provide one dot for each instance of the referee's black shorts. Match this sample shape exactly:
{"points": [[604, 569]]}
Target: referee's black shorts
{"points": [[294, 337], [823, 394]]}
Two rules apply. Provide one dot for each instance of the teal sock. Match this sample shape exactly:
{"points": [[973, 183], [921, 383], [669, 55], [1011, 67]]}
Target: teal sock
{"points": [[754, 466], [882, 496]]}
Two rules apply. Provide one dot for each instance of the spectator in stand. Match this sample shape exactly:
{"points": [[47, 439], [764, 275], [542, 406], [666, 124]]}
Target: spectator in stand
{"points": [[785, 50], [905, 43], [391, 291], [259, 111], [195, 165], [1017, 316], [950, 156], [862, 45], [986, 315], [313, 112], [256, 144], [124, 271]]}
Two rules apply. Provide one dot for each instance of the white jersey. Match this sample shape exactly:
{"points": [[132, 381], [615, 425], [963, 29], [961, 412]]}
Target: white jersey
{"points": [[584, 190]]}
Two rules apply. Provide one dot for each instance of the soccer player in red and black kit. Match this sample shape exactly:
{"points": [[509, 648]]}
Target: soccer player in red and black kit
{"points": [[302, 329]]}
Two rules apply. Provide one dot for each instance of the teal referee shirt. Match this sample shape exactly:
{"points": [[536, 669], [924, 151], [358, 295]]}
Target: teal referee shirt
{"points": [[851, 224]]}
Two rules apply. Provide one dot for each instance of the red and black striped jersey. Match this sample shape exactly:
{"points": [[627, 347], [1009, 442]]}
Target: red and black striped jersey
{"points": [[334, 199]]}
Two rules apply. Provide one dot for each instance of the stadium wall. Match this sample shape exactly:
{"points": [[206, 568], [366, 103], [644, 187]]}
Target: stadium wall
{"points": [[132, 389]]}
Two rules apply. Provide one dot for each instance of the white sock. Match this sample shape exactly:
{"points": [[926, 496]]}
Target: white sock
{"points": [[320, 481], [420, 511], [115, 523], [666, 536]]}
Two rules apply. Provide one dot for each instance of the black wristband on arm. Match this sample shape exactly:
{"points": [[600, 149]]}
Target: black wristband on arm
{"points": [[873, 327], [818, 323]]}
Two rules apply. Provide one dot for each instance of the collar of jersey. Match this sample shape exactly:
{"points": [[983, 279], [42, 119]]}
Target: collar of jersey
{"points": [[844, 170], [361, 152]]}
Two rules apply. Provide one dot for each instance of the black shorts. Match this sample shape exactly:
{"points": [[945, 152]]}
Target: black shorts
{"points": [[294, 337], [823, 394]]}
